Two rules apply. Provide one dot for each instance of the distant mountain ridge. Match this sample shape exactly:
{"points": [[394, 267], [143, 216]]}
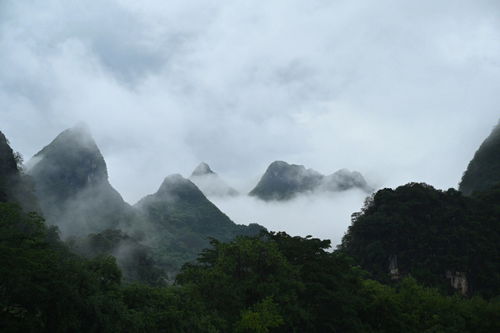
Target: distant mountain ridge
{"points": [[210, 183], [483, 171], [283, 181]]}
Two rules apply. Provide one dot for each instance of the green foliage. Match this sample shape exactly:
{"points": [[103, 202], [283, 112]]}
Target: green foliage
{"points": [[133, 258], [270, 283], [43, 287], [236, 276], [409, 307], [267, 283], [262, 317], [183, 220], [430, 232]]}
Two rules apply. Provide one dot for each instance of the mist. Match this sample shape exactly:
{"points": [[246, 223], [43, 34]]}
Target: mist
{"points": [[323, 215], [399, 91]]}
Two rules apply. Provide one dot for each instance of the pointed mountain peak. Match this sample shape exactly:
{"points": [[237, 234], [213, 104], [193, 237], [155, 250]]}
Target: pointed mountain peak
{"points": [[71, 162], [177, 187], [202, 169], [71, 178], [210, 183], [78, 137], [174, 180]]}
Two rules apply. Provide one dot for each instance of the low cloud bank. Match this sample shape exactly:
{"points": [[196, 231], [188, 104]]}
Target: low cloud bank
{"points": [[322, 215]]}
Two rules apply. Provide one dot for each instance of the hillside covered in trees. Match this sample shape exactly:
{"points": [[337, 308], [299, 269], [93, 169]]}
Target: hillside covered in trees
{"points": [[435, 236], [483, 172], [273, 282], [167, 228], [415, 259]]}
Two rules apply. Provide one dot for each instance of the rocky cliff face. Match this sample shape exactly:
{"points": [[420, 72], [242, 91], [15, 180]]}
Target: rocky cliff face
{"points": [[210, 183], [483, 171], [458, 281], [283, 181], [71, 182]]}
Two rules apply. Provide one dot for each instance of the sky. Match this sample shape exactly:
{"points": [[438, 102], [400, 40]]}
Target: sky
{"points": [[398, 90]]}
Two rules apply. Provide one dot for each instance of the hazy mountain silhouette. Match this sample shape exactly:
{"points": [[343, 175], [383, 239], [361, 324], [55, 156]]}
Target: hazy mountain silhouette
{"points": [[210, 183], [283, 181], [71, 181]]}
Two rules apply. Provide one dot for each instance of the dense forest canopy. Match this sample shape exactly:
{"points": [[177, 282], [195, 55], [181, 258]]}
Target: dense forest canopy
{"points": [[415, 259], [273, 282], [426, 233]]}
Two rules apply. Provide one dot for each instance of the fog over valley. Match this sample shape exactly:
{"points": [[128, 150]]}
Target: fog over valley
{"points": [[325, 215]]}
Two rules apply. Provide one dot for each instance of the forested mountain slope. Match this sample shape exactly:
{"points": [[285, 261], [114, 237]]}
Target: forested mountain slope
{"points": [[183, 220], [483, 171], [438, 237], [267, 283]]}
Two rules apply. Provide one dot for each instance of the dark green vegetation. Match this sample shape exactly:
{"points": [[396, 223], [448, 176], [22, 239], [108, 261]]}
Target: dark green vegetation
{"points": [[415, 259], [269, 283], [283, 181], [431, 235], [445, 239], [134, 259], [483, 171], [182, 220]]}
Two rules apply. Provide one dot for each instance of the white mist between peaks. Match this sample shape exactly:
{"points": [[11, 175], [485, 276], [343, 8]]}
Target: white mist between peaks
{"points": [[321, 215]]}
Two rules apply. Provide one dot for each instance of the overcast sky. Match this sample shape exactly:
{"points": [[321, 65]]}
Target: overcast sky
{"points": [[398, 90]]}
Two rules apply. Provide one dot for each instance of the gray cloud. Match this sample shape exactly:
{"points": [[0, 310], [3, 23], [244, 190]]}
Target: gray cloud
{"points": [[399, 90]]}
